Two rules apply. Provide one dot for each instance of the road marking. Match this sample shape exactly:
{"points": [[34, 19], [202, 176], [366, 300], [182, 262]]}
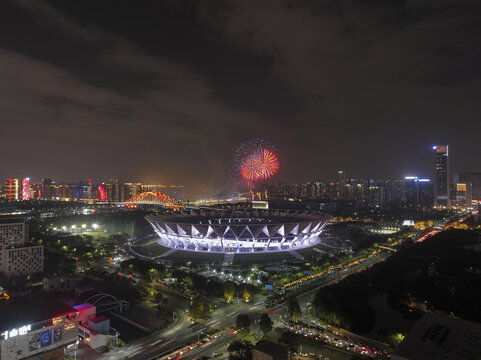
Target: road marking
{"points": [[253, 308], [231, 313], [215, 324]]}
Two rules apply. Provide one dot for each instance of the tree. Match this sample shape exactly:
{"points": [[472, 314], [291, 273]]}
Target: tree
{"points": [[196, 308], [293, 309], [395, 339], [265, 324], [243, 324], [158, 298], [246, 293], [240, 350], [229, 290], [188, 281]]}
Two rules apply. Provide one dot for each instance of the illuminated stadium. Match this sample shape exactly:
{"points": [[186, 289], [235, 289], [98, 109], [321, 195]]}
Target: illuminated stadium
{"points": [[238, 231]]}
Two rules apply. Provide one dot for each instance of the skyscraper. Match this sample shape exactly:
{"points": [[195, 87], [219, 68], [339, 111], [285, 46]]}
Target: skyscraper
{"points": [[342, 184], [26, 189], [442, 177]]}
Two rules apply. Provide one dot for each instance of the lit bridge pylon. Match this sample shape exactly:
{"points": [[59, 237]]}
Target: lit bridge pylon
{"points": [[153, 198]]}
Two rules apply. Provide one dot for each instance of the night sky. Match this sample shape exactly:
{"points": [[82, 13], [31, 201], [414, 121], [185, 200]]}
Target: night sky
{"points": [[164, 91]]}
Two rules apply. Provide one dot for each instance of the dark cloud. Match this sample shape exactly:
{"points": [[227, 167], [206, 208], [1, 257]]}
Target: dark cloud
{"points": [[380, 80]]}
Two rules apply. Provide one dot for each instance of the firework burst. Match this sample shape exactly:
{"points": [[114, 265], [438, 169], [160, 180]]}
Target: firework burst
{"points": [[256, 161]]}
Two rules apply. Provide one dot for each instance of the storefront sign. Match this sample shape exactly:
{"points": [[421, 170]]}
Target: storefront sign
{"points": [[15, 332]]}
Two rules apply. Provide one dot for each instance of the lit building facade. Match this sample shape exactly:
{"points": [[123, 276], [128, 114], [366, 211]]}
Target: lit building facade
{"points": [[22, 260], [16, 257], [45, 334], [11, 189], [26, 189], [417, 192], [94, 330], [442, 183]]}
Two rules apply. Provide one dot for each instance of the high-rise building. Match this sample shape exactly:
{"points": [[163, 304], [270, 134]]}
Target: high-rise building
{"points": [[442, 176], [342, 184], [476, 186], [468, 188], [11, 189], [417, 192], [16, 257], [46, 192], [26, 189], [103, 196]]}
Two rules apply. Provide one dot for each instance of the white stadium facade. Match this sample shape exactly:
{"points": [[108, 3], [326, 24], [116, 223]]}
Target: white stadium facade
{"points": [[238, 231]]}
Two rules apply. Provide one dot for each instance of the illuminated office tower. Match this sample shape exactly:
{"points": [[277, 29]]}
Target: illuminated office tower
{"points": [[342, 184], [442, 177]]}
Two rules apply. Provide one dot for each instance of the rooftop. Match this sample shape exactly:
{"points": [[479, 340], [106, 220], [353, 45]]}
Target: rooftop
{"points": [[9, 219], [16, 315], [99, 319], [83, 307], [438, 337], [277, 351]]}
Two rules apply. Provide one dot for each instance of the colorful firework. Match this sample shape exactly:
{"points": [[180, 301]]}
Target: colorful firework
{"points": [[256, 161]]}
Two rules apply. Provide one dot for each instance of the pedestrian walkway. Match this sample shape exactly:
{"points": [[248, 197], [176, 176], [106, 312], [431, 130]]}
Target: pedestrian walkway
{"points": [[228, 259], [167, 253], [296, 254]]}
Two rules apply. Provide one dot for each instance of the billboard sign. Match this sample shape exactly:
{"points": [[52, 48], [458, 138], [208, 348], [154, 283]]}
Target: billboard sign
{"points": [[34, 342], [57, 334], [46, 338]]}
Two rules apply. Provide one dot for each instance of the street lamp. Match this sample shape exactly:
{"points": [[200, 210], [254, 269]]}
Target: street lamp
{"points": [[97, 227]]}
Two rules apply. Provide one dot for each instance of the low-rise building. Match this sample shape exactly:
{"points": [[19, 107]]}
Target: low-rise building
{"points": [[51, 283], [94, 330], [268, 350], [40, 331], [439, 337]]}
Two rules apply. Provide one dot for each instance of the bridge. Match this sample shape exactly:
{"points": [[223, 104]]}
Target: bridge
{"points": [[107, 302], [153, 198]]}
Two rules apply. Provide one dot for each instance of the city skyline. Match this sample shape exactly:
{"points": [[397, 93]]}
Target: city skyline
{"points": [[168, 90], [240, 179], [429, 172]]}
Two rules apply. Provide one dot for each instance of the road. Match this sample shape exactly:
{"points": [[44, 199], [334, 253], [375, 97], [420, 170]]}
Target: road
{"points": [[171, 341]]}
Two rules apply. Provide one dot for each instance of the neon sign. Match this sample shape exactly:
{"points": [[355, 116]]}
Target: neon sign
{"points": [[15, 332], [69, 326], [57, 320]]}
